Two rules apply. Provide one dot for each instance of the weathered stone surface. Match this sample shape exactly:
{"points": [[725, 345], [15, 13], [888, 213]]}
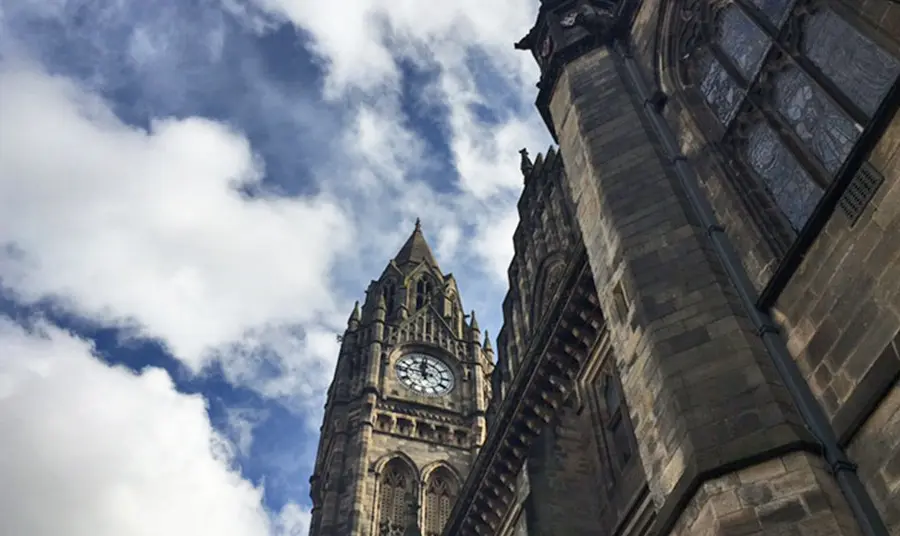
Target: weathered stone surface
{"points": [[696, 394]]}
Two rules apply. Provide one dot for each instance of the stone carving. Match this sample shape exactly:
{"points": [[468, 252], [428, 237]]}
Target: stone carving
{"points": [[596, 16]]}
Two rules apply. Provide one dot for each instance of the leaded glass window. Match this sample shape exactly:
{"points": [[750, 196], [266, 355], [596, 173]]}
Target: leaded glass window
{"points": [[440, 494], [742, 40], [816, 120], [860, 68], [720, 90], [776, 11], [396, 495], [810, 79]]}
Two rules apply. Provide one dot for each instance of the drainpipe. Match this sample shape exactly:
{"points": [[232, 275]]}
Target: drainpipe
{"points": [[843, 470]]}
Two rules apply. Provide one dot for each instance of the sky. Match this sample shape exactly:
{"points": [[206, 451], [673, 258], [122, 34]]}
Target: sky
{"points": [[192, 195]]}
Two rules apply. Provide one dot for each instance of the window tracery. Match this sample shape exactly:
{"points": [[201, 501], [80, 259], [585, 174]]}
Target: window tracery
{"points": [[389, 291], [423, 291], [789, 86], [440, 494], [396, 495]]}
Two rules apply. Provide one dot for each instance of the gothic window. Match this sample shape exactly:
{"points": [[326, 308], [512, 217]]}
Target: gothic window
{"points": [[788, 86], [389, 290], [423, 291], [440, 494], [396, 495]]}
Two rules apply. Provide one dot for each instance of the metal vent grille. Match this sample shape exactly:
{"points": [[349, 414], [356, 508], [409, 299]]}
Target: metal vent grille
{"points": [[860, 191]]}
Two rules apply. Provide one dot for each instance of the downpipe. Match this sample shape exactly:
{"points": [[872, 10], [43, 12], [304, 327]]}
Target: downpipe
{"points": [[841, 468]]}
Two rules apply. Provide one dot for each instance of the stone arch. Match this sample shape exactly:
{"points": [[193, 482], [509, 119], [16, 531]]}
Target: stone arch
{"points": [[381, 463], [548, 276], [761, 86], [396, 494], [431, 467], [441, 487]]}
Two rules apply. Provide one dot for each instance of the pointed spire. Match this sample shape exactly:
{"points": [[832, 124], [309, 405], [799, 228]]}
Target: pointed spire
{"points": [[354, 317], [474, 323], [416, 249], [487, 342], [525, 165]]}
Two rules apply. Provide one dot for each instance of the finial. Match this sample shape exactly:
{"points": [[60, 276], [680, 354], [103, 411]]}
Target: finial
{"points": [[355, 314], [487, 342], [526, 166], [418, 224], [474, 322]]}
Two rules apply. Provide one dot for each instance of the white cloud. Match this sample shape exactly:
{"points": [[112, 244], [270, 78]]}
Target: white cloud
{"points": [[469, 43], [149, 228], [92, 450]]}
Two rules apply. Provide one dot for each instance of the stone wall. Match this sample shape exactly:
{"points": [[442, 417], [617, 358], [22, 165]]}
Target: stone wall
{"points": [[704, 395]]}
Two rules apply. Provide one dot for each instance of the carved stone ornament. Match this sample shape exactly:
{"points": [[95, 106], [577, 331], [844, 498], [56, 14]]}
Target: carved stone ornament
{"points": [[593, 15], [546, 47], [693, 28]]}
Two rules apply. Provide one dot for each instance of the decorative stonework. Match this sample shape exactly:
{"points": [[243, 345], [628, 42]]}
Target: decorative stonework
{"points": [[547, 377]]}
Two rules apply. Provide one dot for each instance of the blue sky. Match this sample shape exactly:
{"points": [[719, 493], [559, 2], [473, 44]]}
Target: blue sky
{"points": [[192, 195]]}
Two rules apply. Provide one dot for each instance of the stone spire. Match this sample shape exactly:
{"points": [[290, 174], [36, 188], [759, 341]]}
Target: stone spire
{"points": [[353, 323], [416, 249]]}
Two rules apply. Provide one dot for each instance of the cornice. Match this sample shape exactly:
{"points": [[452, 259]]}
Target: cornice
{"points": [[568, 29], [547, 376]]}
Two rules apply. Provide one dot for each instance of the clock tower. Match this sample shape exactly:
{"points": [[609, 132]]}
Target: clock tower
{"points": [[405, 413]]}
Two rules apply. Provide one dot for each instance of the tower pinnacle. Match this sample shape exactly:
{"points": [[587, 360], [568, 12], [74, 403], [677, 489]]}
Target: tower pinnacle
{"points": [[416, 249]]}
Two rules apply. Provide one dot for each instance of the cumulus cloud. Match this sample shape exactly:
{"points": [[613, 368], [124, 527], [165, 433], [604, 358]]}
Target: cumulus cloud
{"points": [[94, 450], [149, 228], [483, 85]]}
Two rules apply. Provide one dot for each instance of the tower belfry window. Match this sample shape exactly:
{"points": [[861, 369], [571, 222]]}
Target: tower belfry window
{"points": [[395, 499], [389, 291], [423, 291], [440, 494]]}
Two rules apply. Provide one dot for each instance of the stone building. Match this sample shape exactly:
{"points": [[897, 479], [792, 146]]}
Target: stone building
{"points": [[701, 330], [405, 414]]}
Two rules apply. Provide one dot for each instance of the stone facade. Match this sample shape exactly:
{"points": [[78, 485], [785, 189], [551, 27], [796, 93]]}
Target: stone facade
{"points": [[731, 167], [702, 329], [392, 458]]}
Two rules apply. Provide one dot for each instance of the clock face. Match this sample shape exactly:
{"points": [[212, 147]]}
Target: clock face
{"points": [[424, 374]]}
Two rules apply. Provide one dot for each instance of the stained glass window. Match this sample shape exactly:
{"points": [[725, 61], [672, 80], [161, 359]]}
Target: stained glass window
{"points": [[742, 40], [861, 69], [721, 92], [774, 10], [804, 134], [792, 187], [820, 124]]}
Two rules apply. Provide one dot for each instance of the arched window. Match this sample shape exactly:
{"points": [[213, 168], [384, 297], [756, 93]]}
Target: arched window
{"points": [[423, 292], [440, 494], [787, 88], [389, 291], [396, 496]]}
